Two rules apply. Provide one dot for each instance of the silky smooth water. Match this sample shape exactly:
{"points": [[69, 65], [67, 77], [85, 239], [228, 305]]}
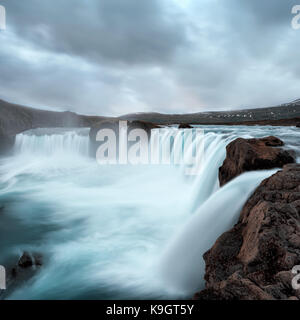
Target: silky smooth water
{"points": [[117, 232]]}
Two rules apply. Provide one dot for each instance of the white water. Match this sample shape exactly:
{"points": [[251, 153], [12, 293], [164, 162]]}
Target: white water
{"points": [[47, 142], [215, 216], [112, 232]]}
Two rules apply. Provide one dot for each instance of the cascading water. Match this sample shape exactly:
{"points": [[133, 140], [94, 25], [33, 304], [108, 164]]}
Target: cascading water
{"points": [[215, 216], [48, 143], [117, 232]]}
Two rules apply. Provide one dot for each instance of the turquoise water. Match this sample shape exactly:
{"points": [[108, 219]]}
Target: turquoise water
{"points": [[107, 232]]}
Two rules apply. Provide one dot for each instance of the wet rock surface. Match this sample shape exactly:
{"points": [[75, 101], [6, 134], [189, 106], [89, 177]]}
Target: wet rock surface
{"points": [[254, 260]]}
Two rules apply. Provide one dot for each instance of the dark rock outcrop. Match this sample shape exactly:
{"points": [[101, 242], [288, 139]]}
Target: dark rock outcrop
{"points": [[26, 267], [184, 126], [254, 260], [27, 260], [253, 154], [114, 124]]}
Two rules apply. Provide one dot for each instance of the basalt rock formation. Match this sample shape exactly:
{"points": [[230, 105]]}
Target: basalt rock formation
{"points": [[253, 154], [255, 259]]}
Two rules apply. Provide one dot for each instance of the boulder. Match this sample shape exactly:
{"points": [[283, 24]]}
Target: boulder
{"points": [[254, 260], [28, 260], [253, 154], [26, 263]]}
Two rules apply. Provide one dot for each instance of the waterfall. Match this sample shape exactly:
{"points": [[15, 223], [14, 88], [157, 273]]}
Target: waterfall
{"points": [[49, 142], [182, 266], [120, 231], [182, 145], [207, 181]]}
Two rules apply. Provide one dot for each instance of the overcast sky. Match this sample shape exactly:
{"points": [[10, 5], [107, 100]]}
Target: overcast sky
{"points": [[111, 57]]}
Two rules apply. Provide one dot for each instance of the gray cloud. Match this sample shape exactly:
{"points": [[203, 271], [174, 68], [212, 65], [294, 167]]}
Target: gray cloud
{"points": [[120, 56], [130, 31]]}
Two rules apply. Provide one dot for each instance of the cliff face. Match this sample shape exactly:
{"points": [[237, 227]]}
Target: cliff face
{"points": [[254, 260]]}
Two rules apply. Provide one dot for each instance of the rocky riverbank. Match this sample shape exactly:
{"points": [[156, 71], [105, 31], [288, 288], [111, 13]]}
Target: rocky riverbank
{"points": [[254, 260]]}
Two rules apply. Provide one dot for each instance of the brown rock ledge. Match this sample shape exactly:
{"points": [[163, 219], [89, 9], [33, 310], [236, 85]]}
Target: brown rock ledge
{"points": [[253, 154], [255, 258]]}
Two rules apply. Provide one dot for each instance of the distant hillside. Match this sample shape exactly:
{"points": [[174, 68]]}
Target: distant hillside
{"points": [[270, 115], [16, 118]]}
